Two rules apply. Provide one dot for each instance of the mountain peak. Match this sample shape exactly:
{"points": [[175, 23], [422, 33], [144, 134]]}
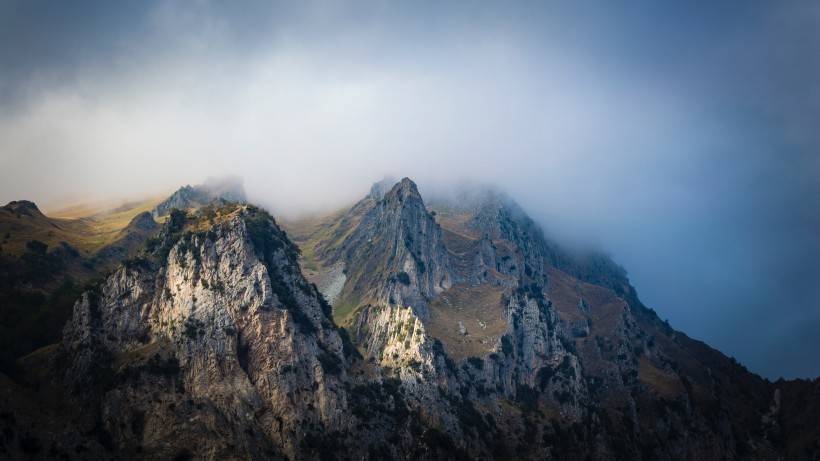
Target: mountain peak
{"points": [[23, 207], [214, 190], [404, 189], [393, 253]]}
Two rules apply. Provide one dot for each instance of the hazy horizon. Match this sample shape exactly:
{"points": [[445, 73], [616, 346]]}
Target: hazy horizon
{"points": [[681, 139]]}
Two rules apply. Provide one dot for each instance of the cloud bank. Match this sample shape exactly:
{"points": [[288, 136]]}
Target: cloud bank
{"points": [[682, 139]]}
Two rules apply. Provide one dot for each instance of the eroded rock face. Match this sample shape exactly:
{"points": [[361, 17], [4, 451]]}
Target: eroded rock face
{"points": [[578, 350], [395, 255], [212, 345], [224, 324]]}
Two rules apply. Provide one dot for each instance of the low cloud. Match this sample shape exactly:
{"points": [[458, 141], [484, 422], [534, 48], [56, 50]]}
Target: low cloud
{"points": [[681, 141]]}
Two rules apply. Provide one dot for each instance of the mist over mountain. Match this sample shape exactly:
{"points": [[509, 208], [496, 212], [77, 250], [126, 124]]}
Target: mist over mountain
{"points": [[395, 328], [679, 138], [596, 234]]}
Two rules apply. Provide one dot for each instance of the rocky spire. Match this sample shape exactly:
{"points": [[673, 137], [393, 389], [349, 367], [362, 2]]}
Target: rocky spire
{"points": [[395, 255], [22, 208]]}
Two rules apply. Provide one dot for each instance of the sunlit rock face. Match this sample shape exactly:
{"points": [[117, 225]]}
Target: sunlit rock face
{"points": [[465, 334], [394, 254], [516, 321], [224, 322]]}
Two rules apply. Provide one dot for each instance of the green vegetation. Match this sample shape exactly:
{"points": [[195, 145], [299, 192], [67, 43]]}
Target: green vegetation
{"points": [[193, 329], [330, 363], [348, 348], [506, 345], [476, 363], [543, 376], [403, 277], [36, 299], [84, 228], [270, 242], [301, 320], [344, 310]]}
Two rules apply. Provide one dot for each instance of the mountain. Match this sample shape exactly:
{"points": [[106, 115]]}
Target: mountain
{"points": [[46, 261], [455, 330], [548, 331], [393, 254], [213, 191], [127, 241]]}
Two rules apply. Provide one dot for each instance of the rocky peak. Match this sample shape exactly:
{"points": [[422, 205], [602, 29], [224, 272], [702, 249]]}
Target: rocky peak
{"points": [[395, 254], [403, 190], [213, 191], [23, 207], [214, 316], [211, 344]]}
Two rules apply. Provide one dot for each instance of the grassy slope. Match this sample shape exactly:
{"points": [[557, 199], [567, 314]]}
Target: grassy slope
{"points": [[85, 233], [37, 291], [479, 309], [317, 237]]}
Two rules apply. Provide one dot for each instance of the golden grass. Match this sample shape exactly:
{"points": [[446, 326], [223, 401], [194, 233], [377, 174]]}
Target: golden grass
{"points": [[479, 309], [456, 222], [605, 308], [115, 220], [343, 312], [309, 233], [665, 384], [87, 234]]}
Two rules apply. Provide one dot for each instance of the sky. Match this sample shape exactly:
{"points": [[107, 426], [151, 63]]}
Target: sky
{"points": [[680, 137]]}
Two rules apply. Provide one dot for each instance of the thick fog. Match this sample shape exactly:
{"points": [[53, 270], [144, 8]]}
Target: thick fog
{"points": [[682, 139]]}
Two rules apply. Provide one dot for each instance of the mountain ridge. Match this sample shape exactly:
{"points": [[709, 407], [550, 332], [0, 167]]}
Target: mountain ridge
{"points": [[213, 191], [213, 341]]}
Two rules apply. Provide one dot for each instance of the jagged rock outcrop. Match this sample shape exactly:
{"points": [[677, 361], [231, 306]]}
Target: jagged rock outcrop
{"points": [[472, 336], [22, 208], [221, 325], [214, 191], [394, 254], [568, 338]]}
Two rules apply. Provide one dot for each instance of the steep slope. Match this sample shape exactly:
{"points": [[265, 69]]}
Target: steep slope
{"points": [[22, 221], [210, 345], [44, 262], [494, 344], [393, 254], [584, 368], [636, 368], [217, 324], [139, 229]]}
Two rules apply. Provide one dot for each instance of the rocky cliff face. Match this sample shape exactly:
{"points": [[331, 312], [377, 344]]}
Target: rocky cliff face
{"points": [[472, 336], [219, 348], [394, 255], [560, 337]]}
